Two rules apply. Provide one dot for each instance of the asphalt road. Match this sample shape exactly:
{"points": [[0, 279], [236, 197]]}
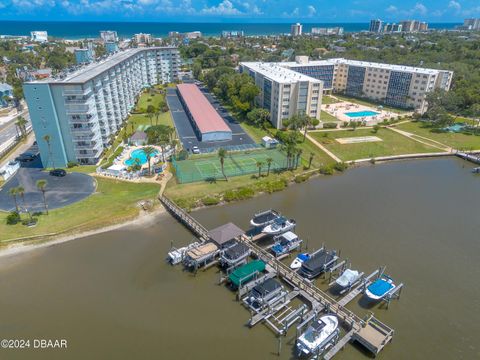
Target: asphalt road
{"points": [[9, 130], [187, 134]]}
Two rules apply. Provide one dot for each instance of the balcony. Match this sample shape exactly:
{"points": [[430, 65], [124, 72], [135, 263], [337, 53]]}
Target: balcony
{"points": [[77, 92]]}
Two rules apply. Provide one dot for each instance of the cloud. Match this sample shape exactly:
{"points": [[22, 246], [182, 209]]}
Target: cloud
{"points": [[392, 9], [454, 5], [224, 8], [311, 10], [418, 8]]}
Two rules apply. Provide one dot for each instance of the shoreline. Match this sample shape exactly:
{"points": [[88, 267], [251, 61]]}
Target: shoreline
{"points": [[29, 245]]}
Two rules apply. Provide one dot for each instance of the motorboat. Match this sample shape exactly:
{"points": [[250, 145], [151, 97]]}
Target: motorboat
{"points": [[285, 243], [348, 278], [264, 218], [380, 287], [176, 256], [321, 334], [319, 262], [279, 226], [262, 294], [299, 260], [235, 254]]}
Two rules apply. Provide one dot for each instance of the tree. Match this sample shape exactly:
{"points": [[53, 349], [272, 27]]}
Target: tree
{"points": [[310, 159], [150, 113], [21, 124], [376, 128], [149, 151], [259, 166], [13, 193], [47, 139], [157, 115], [41, 185], [269, 162], [258, 117], [307, 121], [222, 154]]}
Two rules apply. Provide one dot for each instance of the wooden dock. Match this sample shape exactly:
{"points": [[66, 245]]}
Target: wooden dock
{"points": [[371, 333], [340, 345], [359, 289]]}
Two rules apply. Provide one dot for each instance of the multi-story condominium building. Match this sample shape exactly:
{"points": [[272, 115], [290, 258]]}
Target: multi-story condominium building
{"points": [[413, 26], [143, 38], [229, 34], [395, 85], [111, 47], [39, 36], [296, 29], [327, 31], [284, 92], [471, 24], [376, 26], [109, 36], [81, 111], [388, 28]]}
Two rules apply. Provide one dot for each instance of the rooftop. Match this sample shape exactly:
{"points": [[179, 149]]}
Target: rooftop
{"points": [[278, 72], [391, 67], [225, 233], [203, 113]]}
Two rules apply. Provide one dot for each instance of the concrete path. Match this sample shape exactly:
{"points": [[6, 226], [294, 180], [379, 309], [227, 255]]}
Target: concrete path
{"points": [[323, 148], [417, 138]]}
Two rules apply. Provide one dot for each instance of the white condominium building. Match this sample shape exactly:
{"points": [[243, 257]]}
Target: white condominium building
{"points": [[39, 36], [81, 111], [395, 85], [284, 92]]}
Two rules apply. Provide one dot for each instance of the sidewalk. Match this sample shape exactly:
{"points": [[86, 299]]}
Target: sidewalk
{"points": [[323, 148]]}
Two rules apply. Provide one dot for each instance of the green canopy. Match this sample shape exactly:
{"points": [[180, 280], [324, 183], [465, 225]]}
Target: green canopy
{"points": [[246, 272]]}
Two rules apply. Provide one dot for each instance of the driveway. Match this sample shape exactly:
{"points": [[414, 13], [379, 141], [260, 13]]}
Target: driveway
{"points": [[60, 191], [187, 134]]}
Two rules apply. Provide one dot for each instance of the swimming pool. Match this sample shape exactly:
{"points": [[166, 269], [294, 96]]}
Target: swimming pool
{"points": [[140, 155], [356, 114], [455, 127]]}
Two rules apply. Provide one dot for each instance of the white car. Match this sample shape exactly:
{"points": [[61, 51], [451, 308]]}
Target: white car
{"points": [[195, 150]]}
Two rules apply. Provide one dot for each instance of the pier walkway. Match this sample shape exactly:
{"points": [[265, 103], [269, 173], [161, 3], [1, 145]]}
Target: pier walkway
{"points": [[371, 333]]}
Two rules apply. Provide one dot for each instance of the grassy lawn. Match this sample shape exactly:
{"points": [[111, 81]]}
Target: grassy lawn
{"points": [[149, 99], [392, 144], [114, 202], [328, 100], [456, 140], [326, 117], [370, 103], [255, 133]]}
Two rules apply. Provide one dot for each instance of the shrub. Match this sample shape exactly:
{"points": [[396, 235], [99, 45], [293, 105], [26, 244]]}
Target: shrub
{"points": [[71, 164], [327, 170], [301, 178], [330, 125], [276, 185], [210, 200], [375, 128], [341, 166], [13, 218]]}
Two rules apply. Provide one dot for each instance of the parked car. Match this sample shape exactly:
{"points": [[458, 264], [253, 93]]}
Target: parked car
{"points": [[195, 150], [58, 172], [25, 158]]}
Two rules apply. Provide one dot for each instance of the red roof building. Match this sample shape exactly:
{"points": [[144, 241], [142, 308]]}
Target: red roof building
{"points": [[205, 119]]}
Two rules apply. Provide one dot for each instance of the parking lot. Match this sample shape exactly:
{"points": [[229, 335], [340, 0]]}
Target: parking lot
{"points": [[187, 134]]}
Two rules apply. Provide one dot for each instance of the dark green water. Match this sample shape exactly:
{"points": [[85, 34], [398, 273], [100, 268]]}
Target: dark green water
{"points": [[113, 297]]}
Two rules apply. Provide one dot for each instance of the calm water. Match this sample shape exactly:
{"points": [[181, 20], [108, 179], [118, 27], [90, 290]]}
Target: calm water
{"points": [[112, 296], [77, 30]]}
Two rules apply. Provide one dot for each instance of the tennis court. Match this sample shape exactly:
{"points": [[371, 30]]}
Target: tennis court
{"points": [[235, 164]]}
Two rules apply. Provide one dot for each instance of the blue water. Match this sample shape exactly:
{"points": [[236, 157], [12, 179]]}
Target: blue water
{"points": [[356, 114], [84, 29], [138, 154], [455, 128]]}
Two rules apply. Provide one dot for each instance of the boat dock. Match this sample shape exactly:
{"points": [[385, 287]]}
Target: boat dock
{"points": [[371, 333], [472, 157]]}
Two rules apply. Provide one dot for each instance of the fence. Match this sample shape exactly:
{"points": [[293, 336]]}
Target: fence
{"points": [[235, 164]]}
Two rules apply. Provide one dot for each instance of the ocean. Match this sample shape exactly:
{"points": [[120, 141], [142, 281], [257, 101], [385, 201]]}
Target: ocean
{"points": [[80, 30]]}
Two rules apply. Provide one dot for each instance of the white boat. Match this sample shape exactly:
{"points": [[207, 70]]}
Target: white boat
{"points": [[286, 243], [264, 218], [348, 278], [175, 256], [279, 226], [380, 287], [299, 260], [319, 336]]}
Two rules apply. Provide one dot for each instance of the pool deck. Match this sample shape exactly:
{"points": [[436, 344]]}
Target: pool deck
{"points": [[127, 155], [341, 109]]}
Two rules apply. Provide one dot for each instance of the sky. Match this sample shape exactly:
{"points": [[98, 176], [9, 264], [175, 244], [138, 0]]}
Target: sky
{"points": [[240, 10]]}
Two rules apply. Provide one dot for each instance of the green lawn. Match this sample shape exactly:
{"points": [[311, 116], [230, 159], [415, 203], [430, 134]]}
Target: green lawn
{"points": [[149, 99], [114, 202], [456, 140], [392, 144], [328, 100], [326, 117], [370, 103]]}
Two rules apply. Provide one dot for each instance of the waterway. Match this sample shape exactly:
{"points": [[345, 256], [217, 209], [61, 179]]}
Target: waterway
{"points": [[113, 297]]}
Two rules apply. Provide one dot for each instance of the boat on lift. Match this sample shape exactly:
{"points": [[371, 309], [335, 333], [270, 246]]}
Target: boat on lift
{"points": [[380, 287], [176, 256], [319, 336], [279, 226], [299, 260], [318, 262], [348, 278], [264, 218], [286, 243]]}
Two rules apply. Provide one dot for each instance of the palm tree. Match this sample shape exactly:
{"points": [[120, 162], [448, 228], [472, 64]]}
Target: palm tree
{"points": [[310, 159], [21, 192], [157, 115], [269, 162], [149, 151], [222, 154], [298, 153], [41, 185], [21, 123], [50, 158], [259, 166], [150, 113], [13, 193]]}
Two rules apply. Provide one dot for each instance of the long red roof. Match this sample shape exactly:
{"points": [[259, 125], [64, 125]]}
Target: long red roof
{"points": [[205, 116]]}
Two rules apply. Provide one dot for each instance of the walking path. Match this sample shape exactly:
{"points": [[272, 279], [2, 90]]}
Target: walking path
{"points": [[417, 138], [323, 148]]}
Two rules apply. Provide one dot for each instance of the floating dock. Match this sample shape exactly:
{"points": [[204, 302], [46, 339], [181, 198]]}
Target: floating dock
{"points": [[371, 333]]}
